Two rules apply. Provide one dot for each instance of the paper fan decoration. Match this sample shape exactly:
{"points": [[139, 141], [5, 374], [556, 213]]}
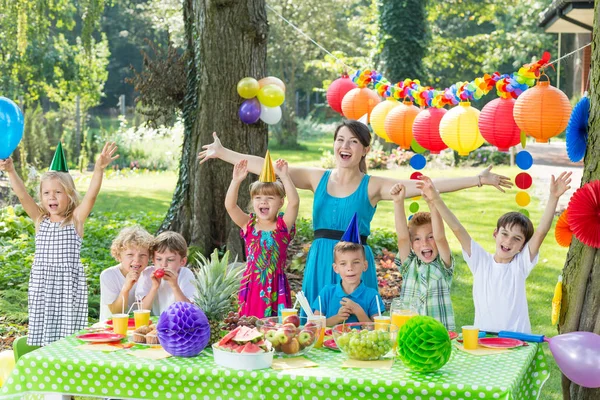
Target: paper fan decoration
{"points": [[183, 329], [584, 214], [577, 130], [562, 232]]}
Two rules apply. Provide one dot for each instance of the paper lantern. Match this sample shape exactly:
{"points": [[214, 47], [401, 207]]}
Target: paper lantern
{"points": [[459, 129], [542, 111], [584, 214], [424, 344], [562, 231], [399, 124], [426, 129], [577, 130], [337, 90], [497, 124], [378, 115], [183, 329], [358, 102]]}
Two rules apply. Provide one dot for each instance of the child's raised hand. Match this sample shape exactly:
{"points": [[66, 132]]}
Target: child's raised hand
{"points": [[107, 155], [558, 186], [487, 177], [428, 190], [7, 165], [281, 168], [211, 150], [398, 192], [240, 170]]}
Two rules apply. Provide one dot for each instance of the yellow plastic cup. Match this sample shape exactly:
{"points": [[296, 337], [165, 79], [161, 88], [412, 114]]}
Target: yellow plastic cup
{"points": [[286, 312], [142, 318], [382, 322], [120, 322], [320, 320], [470, 337]]}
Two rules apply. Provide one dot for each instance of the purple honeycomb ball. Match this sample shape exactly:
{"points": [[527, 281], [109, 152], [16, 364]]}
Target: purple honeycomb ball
{"points": [[183, 330]]}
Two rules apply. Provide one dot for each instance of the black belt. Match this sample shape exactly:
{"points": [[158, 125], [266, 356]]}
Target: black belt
{"points": [[335, 235]]}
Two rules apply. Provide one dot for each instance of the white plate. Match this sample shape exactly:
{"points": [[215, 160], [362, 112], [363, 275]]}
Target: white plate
{"points": [[130, 339]]}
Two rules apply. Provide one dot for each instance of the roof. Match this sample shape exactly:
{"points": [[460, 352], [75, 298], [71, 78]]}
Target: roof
{"points": [[568, 16]]}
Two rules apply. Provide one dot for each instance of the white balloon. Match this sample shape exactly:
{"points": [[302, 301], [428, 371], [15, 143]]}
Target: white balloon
{"points": [[270, 115]]}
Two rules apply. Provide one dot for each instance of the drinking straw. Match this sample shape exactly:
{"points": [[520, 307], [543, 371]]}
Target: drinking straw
{"points": [[378, 307], [123, 305], [320, 312], [304, 304]]}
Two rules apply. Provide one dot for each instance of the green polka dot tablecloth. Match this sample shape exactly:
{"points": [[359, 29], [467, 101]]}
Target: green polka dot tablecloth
{"points": [[60, 368]]}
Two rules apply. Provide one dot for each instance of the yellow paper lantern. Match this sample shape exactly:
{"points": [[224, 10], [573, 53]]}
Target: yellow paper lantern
{"points": [[542, 111], [358, 102], [378, 115], [399, 122], [459, 129]]}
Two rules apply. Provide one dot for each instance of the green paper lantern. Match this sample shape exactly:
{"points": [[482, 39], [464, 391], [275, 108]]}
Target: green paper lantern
{"points": [[59, 162], [424, 344]]}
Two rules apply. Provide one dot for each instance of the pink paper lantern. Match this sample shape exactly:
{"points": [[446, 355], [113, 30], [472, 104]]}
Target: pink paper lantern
{"points": [[426, 129], [337, 90], [497, 124]]}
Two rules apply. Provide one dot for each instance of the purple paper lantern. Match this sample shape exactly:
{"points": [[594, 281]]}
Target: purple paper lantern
{"points": [[183, 330]]}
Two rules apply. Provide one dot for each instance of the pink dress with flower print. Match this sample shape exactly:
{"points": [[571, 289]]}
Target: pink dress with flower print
{"points": [[265, 287]]}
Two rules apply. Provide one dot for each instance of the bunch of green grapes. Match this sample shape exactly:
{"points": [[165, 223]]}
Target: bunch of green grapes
{"points": [[365, 344]]}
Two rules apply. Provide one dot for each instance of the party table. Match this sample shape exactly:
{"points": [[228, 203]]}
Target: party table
{"points": [[62, 368]]}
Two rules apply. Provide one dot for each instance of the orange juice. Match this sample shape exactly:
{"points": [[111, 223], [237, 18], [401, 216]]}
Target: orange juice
{"points": [[399, 318], [320, 321], [142, 318], [286, 312], [381, 322], [120, 322]]}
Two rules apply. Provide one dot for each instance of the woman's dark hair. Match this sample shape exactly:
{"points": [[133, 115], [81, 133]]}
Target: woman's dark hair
{"points": [[361, 132]]}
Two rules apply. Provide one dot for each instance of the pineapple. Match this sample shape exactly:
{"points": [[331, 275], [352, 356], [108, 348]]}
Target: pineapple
{"points": [[217, 283]]}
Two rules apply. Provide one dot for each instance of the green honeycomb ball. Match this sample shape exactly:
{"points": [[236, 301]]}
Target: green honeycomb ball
{"points": [[424, 344]]}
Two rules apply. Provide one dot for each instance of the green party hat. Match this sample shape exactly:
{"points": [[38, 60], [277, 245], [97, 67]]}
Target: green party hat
{"points": [[59, 161]]}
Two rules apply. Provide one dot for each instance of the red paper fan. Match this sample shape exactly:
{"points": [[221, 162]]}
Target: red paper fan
{"points": [[562, 231], [584, 214]]}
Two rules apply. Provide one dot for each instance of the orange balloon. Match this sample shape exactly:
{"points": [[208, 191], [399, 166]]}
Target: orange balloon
{"points": [[358, 102], [542, 111], [271, 80], [399, 124]]}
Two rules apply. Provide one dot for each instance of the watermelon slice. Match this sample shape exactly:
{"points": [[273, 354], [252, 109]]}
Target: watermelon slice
{"points": [[229, 336], [245, 334], [251, 348]]}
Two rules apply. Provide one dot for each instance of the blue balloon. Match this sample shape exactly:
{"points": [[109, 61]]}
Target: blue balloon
{"points": [[524, 160], [11, 127]]}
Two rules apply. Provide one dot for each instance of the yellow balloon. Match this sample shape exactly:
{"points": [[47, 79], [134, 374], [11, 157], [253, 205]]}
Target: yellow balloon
{"points": [[459, 129], [248, 88], [271, 80], [523, 199], [271, 96], [378, 114]]}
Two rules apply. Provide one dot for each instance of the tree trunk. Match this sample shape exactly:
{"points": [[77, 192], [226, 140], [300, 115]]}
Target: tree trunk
{"points": [[581, 274], [226, 41]]}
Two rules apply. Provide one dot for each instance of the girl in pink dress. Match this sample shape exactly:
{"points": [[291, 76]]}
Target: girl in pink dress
{"points": [[265, 288]]}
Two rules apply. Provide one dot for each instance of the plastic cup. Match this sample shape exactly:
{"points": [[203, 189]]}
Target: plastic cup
{"points": [[142, 318], [470, 337], [286, 312], [382, 322], [320, 320], [120, 322]]}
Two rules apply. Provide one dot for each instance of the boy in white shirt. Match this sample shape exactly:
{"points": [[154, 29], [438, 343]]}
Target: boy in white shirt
{"points": [[131, 248], [499, 279], [168, 281]]}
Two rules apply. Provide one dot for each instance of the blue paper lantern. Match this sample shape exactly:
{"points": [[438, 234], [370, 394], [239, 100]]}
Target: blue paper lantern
{"points": [[11, 127], [183, 329], [577, 130]]}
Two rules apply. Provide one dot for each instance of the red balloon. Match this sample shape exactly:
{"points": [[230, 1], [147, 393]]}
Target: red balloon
{"points": [[497, 124], [426, 129], [337, 90], [523, 180]]}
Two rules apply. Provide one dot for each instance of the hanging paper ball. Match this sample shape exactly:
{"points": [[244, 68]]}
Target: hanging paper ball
{"points": [[416, 175], [523, 180], [584, 214], [562, 231], [497, 124], [399, 124], [459, 129], [424, 344], [358, 102], [378, 115], [337, 90], [183, 329], [426, 129], [524, 212], [418, 161], [415, 146], [414, 207], [524, 160], [577, 130], [523, 199], [542, 111], [248, 87]]}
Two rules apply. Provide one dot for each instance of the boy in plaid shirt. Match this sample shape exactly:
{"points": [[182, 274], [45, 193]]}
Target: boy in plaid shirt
{"points": [[424, 259]]}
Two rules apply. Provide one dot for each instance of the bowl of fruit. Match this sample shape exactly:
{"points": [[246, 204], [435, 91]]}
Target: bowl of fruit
{"points": [[365, 340], [294, 337]]}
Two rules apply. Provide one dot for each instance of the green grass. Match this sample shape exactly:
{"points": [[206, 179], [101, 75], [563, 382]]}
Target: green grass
{"points": [[477, 208]]}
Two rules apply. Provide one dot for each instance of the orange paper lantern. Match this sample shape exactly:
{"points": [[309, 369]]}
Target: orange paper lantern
{"points": [[459, 129], [497, 124], [399, 124], [562, 231], [542, 111], [378, 115], [358, 102]]}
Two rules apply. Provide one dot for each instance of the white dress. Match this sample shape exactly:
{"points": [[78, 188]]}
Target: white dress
{"points": [[58, 294]]}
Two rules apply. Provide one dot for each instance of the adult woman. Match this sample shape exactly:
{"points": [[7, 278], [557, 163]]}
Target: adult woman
{"points": [[341, 192]]}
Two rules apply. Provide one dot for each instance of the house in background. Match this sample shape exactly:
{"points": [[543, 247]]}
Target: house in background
{"points": [[573, 21]]}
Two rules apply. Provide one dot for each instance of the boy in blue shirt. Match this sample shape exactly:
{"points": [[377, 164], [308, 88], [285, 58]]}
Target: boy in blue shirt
{"points": [[349, 300]]}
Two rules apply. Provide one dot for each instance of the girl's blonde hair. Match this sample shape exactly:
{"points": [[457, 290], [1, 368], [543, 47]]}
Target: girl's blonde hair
{"points": [[132, 236], [66, 181], [267, 189]]}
